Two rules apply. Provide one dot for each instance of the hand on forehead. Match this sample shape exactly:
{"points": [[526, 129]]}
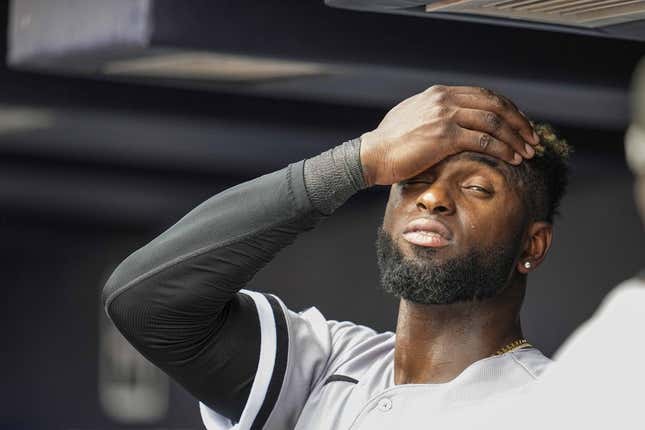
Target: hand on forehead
{"points": [[440, 122]]}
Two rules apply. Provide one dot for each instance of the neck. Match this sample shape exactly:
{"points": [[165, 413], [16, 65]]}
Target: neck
{"points": [[434, 343]]}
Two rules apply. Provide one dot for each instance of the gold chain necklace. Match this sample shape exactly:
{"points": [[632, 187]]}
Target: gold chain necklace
{"points": [[516, 344]]}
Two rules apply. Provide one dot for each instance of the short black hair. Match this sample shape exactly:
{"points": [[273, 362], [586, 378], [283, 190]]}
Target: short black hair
{"points": [[544, 178]]}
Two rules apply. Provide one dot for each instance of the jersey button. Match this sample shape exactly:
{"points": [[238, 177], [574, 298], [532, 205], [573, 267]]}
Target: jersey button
{"points": [[384, 404]]}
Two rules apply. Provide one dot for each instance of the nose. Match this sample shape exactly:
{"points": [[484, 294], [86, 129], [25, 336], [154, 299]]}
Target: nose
{"points": [[436, 199]]}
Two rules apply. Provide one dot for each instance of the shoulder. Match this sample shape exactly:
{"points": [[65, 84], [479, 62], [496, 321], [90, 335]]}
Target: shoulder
{"points": [[352, 347], [356, 347], [347, 338]]}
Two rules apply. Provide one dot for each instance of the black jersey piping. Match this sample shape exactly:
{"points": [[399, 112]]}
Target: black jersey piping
{"points": [[279, 367]]}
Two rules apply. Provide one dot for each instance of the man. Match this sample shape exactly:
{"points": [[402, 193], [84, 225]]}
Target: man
{"points": [[474, 191]]}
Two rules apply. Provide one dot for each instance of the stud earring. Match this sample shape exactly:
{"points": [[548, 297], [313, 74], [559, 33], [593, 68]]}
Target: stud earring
{"points": [[527, 264]]}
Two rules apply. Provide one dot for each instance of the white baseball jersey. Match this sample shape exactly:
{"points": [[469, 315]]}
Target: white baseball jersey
{"points": [[322, 374]]}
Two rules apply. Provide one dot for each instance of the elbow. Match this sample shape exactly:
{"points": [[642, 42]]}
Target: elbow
{"points": [[108, 291], [125, 306], [129, 311], [122, 279], [111, 289]]}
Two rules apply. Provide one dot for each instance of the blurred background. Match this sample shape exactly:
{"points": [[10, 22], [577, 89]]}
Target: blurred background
{"points": [[117, 117]]}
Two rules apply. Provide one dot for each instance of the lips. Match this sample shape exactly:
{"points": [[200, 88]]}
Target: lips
{"points": [[427, 232]]}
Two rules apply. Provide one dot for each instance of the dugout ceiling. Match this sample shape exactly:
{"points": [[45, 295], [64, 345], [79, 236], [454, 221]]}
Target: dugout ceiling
{"points": [[308, 51]]}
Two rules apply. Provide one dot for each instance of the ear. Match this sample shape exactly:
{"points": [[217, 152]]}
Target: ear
{"points": [[537, 245]]}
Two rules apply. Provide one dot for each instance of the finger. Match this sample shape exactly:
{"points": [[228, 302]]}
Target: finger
{"points": [[487, 100], [534, 135], [471, 140], [482, 98], [496, 126], [503, 106]]}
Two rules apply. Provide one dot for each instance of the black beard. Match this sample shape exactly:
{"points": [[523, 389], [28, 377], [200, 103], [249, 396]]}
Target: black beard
{"points": [[479, 274]]}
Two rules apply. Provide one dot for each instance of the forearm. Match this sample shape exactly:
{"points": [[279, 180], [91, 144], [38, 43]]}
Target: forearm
{"points": [[294, 196]]}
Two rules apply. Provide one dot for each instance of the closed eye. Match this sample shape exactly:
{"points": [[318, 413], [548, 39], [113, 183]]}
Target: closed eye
{"points": [[478, 189], [406, 183]]}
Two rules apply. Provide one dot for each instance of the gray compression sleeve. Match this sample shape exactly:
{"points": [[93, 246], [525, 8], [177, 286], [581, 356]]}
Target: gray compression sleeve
{"points": [[177, 299], [334, 176]]}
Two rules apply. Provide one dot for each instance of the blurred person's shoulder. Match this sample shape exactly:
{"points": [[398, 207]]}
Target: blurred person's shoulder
{"points": [[614, 329], [597, 375], [624, 293], [627, 296]]}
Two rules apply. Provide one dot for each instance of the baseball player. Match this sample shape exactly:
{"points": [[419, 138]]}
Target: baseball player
{"points": [[474, 189]]}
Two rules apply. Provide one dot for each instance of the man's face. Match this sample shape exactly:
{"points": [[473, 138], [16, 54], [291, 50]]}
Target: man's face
{"points": [[453, 232]]}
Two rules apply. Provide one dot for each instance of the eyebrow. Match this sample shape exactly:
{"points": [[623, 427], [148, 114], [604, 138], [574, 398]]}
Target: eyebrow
{"points": [[493, 163]]}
